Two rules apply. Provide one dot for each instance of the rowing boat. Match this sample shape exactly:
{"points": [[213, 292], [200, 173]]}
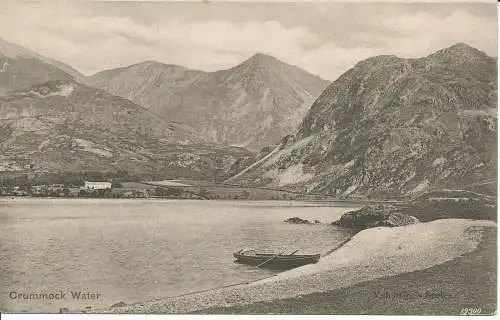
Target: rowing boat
{"points": [[273, 260]]}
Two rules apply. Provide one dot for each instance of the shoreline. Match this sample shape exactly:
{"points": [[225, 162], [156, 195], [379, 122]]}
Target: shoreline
{"points": [[413, 293], [358, 261], [275, 203], [338, 246], [326, 201]]}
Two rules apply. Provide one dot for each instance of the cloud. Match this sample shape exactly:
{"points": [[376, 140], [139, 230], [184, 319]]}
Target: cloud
{"points": [[422, 32], [93, 42]]}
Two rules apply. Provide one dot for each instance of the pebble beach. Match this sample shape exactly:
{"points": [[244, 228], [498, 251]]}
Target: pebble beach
{"points": [[371, 254]]}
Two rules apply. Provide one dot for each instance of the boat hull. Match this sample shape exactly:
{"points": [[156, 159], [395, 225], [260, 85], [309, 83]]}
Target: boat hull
{"points": [[276, 261]]}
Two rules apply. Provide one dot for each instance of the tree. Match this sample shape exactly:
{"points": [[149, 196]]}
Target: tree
{"points": [[116, 185], [66, 192], [83, 193], [204, 194], [159, 192]]}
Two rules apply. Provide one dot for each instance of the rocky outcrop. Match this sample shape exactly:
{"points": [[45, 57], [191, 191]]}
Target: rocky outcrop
{"points": [[375, 216], [434, 205], [300, 221]]}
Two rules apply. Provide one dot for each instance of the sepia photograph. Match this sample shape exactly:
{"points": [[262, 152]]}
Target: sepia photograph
{"points": [[248, 157]]}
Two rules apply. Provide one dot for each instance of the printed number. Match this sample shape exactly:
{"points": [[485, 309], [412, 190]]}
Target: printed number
{"points": [[470, 311]]}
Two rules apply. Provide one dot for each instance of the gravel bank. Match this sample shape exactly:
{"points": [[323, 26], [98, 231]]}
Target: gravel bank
{"points": [[371, 254], [446, 289]]}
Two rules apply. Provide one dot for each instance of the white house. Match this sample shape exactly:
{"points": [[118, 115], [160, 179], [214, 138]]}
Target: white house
{"points": [[97, 185]]}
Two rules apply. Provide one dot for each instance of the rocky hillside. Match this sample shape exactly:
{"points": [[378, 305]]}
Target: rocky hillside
{"points": [[252, 105], [147, 84], [67, 126], [20, 68], [393, 127]]}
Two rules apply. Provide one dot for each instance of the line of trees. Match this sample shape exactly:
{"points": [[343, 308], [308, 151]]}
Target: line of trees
{"points": [[65, 178]]}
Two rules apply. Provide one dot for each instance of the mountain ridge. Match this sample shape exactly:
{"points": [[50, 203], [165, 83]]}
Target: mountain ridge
{"points": [[66, 126], [13, 51], [393, 127], [261, 93]]}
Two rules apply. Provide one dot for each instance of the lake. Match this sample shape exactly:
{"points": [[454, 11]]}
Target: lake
{"points": [[136, 250]]}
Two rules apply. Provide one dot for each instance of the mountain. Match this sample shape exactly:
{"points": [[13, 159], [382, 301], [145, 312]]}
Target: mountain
{"points": [[144, 82], [66, 126], [20, 68], [393, 127], [252, 104]]}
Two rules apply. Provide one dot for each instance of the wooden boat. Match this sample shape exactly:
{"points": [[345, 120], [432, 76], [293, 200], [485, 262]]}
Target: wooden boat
{"points": [[273, 260]]}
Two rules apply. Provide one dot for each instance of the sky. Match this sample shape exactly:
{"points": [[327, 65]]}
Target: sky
{"points": [[324, 38]]}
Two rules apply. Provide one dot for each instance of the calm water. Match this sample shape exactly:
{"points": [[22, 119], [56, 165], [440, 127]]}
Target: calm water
{"points": [[134, 250]]}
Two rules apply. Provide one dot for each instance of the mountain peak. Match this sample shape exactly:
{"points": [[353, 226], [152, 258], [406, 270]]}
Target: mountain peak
{"points": [[157, 64], [263, 64], [151, 66], [141, 69], [460, 50], [461, 46], [262, 56], [262, 59]]}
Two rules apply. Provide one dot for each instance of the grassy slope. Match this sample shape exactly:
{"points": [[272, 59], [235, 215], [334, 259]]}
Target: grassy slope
{"points": [[468, 281]]}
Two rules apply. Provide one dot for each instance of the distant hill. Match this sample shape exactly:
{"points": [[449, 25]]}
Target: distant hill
{"points": [[66, 126], [20, 68], [144, 82], [393, 127], [252, 104]]}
